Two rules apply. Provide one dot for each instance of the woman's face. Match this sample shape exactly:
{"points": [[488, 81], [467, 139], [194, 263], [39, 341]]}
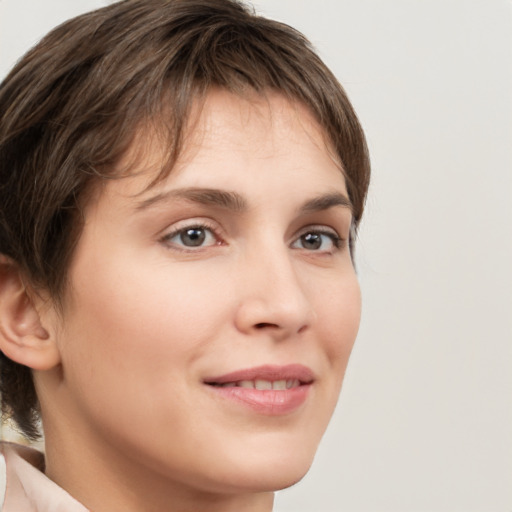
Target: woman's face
{"points": [[210, 318]]}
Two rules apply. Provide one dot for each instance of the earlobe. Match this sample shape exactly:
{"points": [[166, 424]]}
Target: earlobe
{"points": [[23, 338]]}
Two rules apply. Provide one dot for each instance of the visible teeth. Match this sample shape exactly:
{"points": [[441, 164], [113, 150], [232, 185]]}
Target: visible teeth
{"points": [[279, 384], [292, 383], [262, 384]]}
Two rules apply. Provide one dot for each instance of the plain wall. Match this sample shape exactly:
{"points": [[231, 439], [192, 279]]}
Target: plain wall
{"points": [[425, 417]]}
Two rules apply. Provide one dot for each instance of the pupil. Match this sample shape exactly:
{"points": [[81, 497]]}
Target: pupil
{"points": [[311, 241], [193, 237]]}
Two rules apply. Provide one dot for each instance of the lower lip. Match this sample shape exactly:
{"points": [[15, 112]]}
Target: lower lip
{"points": [[266, 401]]}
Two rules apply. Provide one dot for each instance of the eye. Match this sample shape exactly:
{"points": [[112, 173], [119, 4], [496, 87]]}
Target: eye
{"points": [[318, 240], [191, 236]]}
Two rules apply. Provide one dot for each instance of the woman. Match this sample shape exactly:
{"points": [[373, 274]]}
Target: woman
{"points": [[181, 183]]}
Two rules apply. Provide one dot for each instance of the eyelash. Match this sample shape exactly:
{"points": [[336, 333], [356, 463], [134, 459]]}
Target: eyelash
{"points": [[337, 241], [200, 226]]}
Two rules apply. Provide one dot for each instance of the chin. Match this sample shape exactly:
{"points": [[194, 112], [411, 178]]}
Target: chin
{"points": [[270, 481], [283, 481], [272, 473]]}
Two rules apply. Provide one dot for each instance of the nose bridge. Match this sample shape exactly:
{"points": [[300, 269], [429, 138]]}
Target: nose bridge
{"points": [[273, 297]]}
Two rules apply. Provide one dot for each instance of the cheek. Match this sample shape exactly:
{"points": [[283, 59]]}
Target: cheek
{"points": [[138, 320], [339, 315], [132, 345]]}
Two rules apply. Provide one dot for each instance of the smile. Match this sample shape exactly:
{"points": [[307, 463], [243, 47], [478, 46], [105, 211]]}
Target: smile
{"points": [[267, 390], [262, 384]]}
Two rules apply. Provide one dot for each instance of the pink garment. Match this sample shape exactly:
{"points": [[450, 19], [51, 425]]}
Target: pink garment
{"points": [[28, 489]]}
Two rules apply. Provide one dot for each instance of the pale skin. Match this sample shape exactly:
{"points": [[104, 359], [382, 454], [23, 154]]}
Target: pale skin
{"points": [[268, 280]]}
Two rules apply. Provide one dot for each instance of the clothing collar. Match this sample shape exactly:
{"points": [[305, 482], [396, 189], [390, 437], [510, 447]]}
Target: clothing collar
{"points": [[28, 489]]}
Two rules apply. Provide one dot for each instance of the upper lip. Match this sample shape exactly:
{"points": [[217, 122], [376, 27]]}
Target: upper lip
{"points": [[266, 372]]}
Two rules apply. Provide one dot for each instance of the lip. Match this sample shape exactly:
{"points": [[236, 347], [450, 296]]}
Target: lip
{"points": [[268, 402]]}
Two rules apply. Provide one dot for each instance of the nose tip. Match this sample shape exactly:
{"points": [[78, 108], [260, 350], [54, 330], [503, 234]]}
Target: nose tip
{"points": [[274, 305], [256, 316]]}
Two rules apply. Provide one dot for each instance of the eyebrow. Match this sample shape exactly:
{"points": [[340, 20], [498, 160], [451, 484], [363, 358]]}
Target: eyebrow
{"points": [[326, 201], [233, 201], [206, 196]]}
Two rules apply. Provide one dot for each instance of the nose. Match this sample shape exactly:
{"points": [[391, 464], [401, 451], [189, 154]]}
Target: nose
{"points": [[272, 298]]}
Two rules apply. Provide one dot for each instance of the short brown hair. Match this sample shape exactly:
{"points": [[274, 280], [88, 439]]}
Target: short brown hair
{"points": [[70, 107]]}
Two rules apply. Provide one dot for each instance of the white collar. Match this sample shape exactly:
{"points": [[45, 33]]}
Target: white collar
{"points": [[28, 489]]}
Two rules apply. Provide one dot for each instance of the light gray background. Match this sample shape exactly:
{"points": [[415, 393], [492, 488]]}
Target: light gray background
{"points": [[425, 418]]}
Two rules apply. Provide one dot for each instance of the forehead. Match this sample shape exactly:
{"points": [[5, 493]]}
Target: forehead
{"points": [[230, 139], [255, 123]]}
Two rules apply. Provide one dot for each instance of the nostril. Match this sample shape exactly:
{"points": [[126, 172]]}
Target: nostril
{"points": [[264, 325]]}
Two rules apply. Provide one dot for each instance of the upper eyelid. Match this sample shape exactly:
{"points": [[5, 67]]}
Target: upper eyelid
{"points": [[181, 225], [321, 228]]}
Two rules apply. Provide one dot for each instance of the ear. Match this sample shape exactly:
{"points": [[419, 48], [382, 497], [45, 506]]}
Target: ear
{"points": [[23, 338]]}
